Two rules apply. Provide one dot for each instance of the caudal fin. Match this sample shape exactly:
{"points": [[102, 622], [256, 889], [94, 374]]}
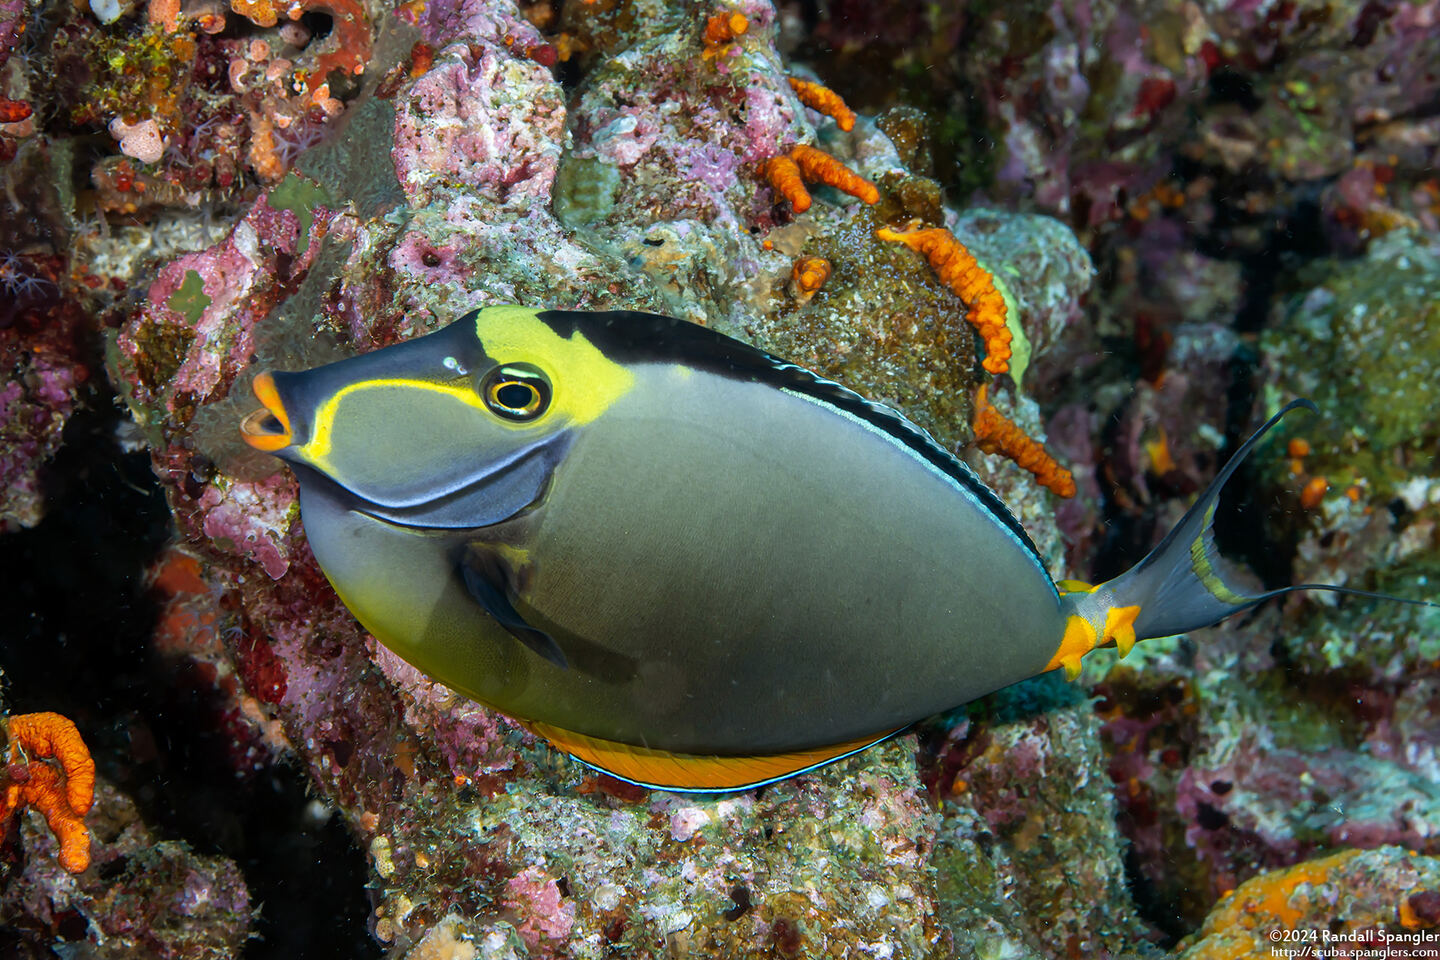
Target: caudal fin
{"points": [[1179, 586]]}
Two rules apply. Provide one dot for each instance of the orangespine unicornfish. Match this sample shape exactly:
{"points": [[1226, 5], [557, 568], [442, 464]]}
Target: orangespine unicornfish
{"points": [[681, 560]]}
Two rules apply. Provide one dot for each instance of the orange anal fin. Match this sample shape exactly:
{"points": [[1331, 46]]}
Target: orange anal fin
{"points": [[1079, 640], [661, 770]]}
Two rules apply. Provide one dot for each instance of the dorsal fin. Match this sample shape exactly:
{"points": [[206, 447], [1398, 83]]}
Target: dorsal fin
{"points": [[691, 773], [636, 337]]}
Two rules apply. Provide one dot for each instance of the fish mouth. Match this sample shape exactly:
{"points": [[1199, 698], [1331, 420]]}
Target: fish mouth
{"points": [[266, 429]]}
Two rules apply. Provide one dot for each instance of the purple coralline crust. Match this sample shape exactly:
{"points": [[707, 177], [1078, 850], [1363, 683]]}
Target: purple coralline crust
{"points": [[1070, 437], [11, 24], [1226, 763], [445, 21], [1170, 433], [535, 895], [474, 743], [142, 899], [343, 724], [1087, 101], [688, 143], [1280, 805], [1309, 727], [42, 372], [621, 139], [1091, 102], [772, 123], [710, 164]]}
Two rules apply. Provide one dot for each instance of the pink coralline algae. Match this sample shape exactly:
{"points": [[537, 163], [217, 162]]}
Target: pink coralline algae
{"points": [[502, 145], [536, 896], [197, 331], [621, 139], [11, 26], [475, 744], [671, 148], [1071, 106], [252, 520]]}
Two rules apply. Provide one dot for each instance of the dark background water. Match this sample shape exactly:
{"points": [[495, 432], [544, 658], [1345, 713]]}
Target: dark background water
{"points": [[75, 628]]}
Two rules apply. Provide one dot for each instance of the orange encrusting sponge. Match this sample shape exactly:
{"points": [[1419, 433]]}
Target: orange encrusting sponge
{"points": [[809, 274], [721, 29]]}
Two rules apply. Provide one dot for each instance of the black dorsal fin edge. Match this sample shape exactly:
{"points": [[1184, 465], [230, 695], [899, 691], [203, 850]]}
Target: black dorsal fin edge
{"points": [[637, 337]]}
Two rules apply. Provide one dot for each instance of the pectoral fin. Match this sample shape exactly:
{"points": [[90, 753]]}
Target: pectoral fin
{"points": [[486, 587]]}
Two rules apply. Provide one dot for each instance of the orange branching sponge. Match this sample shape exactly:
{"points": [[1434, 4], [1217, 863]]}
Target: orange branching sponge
{"points": [[789, 174], [817, 166], [995, 433], [984, 303], [721, 29], [783, 175], [824, 100], [808, 275], [46, 736], [43, 791]]}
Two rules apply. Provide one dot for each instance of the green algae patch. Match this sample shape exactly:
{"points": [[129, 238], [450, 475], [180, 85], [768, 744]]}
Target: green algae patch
{"points": [[300, 196], [1364, 344], [189, 299], [1019, 343], [585, 190]]}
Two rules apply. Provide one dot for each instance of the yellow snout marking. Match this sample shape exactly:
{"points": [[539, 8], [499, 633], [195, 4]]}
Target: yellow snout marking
{"points": [[584, 382], [321, 438]]}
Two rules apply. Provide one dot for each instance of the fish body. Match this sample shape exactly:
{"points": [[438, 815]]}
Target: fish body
{"points": [[678, 558]]}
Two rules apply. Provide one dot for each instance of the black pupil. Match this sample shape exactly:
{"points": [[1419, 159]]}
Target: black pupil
{"points": [[271, 425], [516, 396]]}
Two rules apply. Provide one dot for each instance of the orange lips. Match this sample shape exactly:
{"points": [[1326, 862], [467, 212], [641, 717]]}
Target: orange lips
{"points": [[267, 429]]}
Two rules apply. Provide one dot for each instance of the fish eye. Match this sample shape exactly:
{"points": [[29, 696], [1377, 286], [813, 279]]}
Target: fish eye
{"points": [[516, 391]]}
